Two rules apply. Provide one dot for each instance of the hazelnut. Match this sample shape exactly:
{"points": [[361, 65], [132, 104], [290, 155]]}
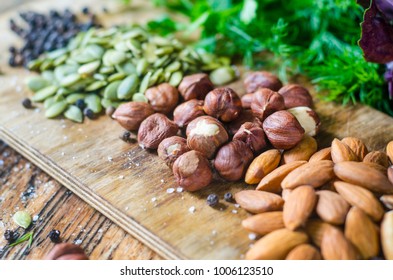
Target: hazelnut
{"points": [[307, 118], [206, 134], [66, 251], [171, 148], [261, 79], [163, 98], [130, 115], [195, 86], [295, 96], [232, 160], [247, 100], [154, 129], [265, 102], [245, 116], [283, 130], [253, 135], [192, 171], [188, 111], [223, 104]]}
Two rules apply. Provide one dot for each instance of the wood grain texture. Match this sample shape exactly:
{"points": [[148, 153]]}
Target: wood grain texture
{"points": [[24, 186], [128, 184]]}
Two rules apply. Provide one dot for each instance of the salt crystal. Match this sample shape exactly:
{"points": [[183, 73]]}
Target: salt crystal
{"points": [[170, 190], [214, 232], [236, 205], [78, 241], [65, 137], [62, 153], [191, 209], [126, 208], [35, 218], [121, 177], [1, 162], [153, 199], [212, 242], [162, 181], [110, 159], [179, 189], [234, 211], [252, 236]]}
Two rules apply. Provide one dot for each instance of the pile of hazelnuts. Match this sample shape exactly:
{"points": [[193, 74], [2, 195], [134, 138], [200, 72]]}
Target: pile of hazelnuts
{"points": [[213, 130]]}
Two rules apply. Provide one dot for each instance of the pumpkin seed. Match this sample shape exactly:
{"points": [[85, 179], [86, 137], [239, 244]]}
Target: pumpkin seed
{"points": [[164, 51], [176, 78], [173, 67], [56, 109], [89, 68], [140, 97], [155, 77], [22, 219], [116, 77], [142, 66], [128, 87], [44, 93], [107, 69], [60, 60], [63, 71], [108, 103], [73, 113], [46, 64], [128, 68], [100, 77], [35, 65], [93, 102], [72, 98], [145, 83], [35, 83], [134, 46], [49, 102], [161, 61], [70, 80], [110, 91], [113, 57], [222, 75], [96, 85], [56, 53]]}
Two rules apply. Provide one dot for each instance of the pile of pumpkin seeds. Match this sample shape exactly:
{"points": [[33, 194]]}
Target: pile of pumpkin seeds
{"points": [[105, 67]]}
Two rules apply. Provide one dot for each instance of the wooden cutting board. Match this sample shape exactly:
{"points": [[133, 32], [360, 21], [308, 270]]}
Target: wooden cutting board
{"points": [[130, 185]]}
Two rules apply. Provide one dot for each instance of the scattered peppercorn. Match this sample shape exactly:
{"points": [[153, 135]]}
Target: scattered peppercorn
{"points": [[126, 136], [80, 103], [45, 32], [10, 235], [88, 113], [85, 10], [212, 200], [27, 103], [54, 235], [228, 197], [110, 110]]}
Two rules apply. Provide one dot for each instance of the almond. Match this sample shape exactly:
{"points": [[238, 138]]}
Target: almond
{"points": [[377, 167], [331, 207], [304, 252], [361, 174], [387, 200], [362, 198], [316, 230], [389, 151], [362, 233], [276, 245], [387, 235], [259, 201], [377, 157], [314, 174], [262, 165], [390, 174], [324, 154], [335, 246], [356, 145], [272, 181], [299, 206], [264, 223], [342, 152], [302, 151]]}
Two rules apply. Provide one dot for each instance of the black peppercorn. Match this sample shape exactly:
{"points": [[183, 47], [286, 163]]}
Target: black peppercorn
{"points": [[54, 235], [10, 235], [85, 10], [228, 197], [212, 200], [126, 136], [27, 103], [88, 113], [80, 103]]}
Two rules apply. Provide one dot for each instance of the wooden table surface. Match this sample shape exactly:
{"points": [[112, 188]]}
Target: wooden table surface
{"points": [[23, 186]]}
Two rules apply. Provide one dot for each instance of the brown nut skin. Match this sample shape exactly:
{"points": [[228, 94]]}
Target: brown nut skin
{"points": [[195, 86], [232, 160], [154, 129], [163, 98], [296, 96], [265, 102], [66, 251], [206, 134], [253, 135], [192, 171], [245, 116], [188, 111], [261, 79], [171, 148], [283, 130], [130, 115], [223, 104], [247, 100]]}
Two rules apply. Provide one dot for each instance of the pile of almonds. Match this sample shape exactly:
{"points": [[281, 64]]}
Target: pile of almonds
{"points": [[332, 204], [214, 131]]}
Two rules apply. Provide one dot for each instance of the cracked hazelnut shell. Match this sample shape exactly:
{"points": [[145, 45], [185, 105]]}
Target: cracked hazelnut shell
{"points": [[295, 96], [223, 104], [265, 102], [232, 160], [253, 135], [283, 130], [154, 129], [192, 171], [307, 118], [163, 98], [188, 111], [195, 86], [245, 116], [206, 134], [131, 114], [171, 148], [261, 79]]}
